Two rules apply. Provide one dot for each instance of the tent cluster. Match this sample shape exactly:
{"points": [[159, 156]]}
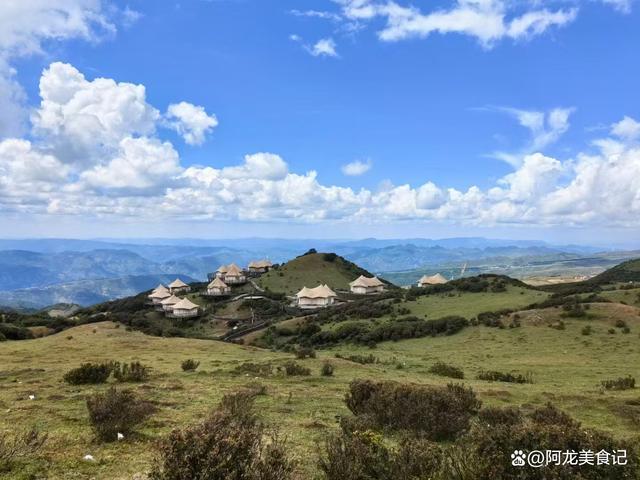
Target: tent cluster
{"points": [[231, 274], [165, 300], [323, 296]]}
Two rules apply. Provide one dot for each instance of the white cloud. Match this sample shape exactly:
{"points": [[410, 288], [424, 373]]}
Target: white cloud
{"points": [[141, 166], [139, 175], [191, 122], [83, 120], [24, 26], [626, 129], [325, 47], [623, 6], [487, 20], [357, 167], [545, 129], [324, 15]]}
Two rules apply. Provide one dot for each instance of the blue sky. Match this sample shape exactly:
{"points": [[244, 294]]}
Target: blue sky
{"points": [[416, 92]]}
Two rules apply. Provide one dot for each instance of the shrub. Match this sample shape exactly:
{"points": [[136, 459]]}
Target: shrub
{"points": [[359, 455], [305, 352], [446, 370], [438, 413], [130, 372], [625, 330], [2, 337], [483, 453], [327, 369], [293, 368], [622, 383], [611, 331], [116, 411], [230, 444], [89, 373], [13, 332], [621, 323], [18, 446], [190, 365], [254, 369], [494, 376], [362, 359], [587, 330]]}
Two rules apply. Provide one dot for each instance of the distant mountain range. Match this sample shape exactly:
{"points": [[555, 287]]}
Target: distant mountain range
{"points": [[36, 273]]}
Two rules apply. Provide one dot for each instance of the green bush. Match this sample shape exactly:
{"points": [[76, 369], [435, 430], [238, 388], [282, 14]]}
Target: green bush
{"points": [[622, 383], [494, 376], [116, 411], [190, 365], [130, 372], [292, 369], [587, 330], [89, 373], [305, 352], [446, 370], [363, 454], [362, 359], [13, 332], [484, 452], [327, 369], [437, 413], [254, 369], [230, 444]]}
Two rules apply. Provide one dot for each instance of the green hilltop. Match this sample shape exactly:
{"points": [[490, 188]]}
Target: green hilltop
{"points": [[310, 270]]}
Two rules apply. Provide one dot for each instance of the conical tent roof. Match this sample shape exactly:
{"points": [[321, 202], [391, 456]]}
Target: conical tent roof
{"points": [[217, 283], [185, 304], [433, 279], [172, 300], [363, 281], [177, 283], [321, 291], [234, 270]]}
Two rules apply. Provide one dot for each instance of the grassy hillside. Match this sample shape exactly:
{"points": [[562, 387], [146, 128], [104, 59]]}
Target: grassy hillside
{"points": [[310, 270], [628, 271], [566, 366]]}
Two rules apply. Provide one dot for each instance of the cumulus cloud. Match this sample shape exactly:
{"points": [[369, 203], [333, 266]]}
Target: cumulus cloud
{"points": [[25, 25], [191, 122], [138, 174], [357, 167]]}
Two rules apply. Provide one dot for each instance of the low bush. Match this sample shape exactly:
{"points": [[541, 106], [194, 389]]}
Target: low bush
{"points": [[622, 383], [587, 330], [438, 413], [621, 323], [189, 365], [13, 332], [116, 411], [494, 376], [327, 369], [254, 369], [230, 444], [89, 373], [19, 445], [360, 455], [293, 369], [484, 452], [305, 352], [362, 359], [130, 372], [446, 370]]}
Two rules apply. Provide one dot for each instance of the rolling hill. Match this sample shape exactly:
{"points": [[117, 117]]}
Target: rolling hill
{"points": [[310, 270], [628, 271]]}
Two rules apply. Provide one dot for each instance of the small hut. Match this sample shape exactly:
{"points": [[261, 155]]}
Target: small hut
{"points": [[365, 285], [436, 279], [178, 286], [221, 272], [259, 267], [160, 293], [218, 288], [185, 308], [234, 275], [318, 297], [168, 303]]}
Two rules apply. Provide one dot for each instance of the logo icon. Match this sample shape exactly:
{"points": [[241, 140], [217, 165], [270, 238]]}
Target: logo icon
{"points": [[518, 458]]}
